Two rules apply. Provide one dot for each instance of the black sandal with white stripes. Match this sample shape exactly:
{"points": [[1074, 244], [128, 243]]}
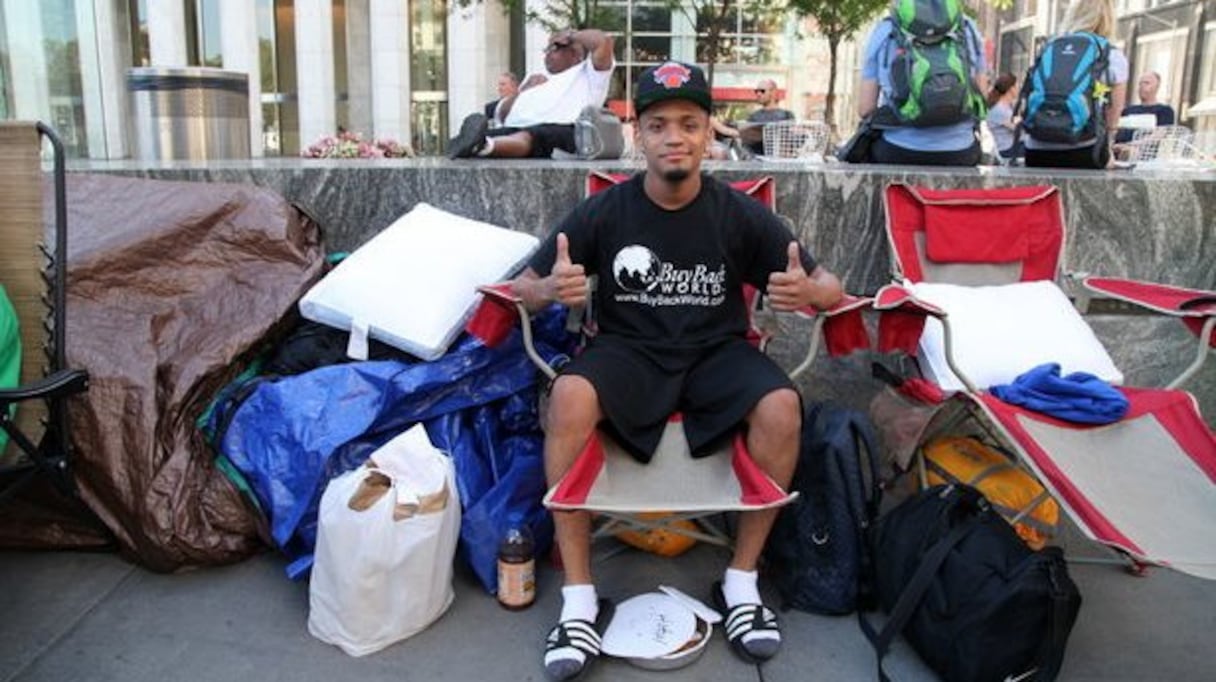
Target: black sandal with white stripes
{"points": [[572, 644], [745, 619]]}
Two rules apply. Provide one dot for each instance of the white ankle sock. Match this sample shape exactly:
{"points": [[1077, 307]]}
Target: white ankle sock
{"points": [[579, 602], [739, 587], [486, 147]]}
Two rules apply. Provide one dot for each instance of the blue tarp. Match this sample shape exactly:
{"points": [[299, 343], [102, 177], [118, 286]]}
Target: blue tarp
{"points": [[292, 435]]}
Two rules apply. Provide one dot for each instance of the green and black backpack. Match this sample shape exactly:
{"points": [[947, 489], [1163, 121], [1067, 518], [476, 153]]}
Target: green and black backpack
{"points": [[931, 70]]}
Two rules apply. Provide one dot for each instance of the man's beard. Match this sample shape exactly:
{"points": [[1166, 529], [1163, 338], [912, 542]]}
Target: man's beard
{"points": [[676, 175]]}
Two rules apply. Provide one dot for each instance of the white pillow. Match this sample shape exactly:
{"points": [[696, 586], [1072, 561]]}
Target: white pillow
{"points": [[999, 332], [414, 285]]}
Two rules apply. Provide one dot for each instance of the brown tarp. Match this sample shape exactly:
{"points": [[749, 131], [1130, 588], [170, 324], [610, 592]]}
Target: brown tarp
{"points": [[172, 288]]}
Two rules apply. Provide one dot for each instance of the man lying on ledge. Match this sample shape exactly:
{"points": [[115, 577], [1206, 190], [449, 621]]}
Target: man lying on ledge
{"points": [[540, 117], [656, 354]]}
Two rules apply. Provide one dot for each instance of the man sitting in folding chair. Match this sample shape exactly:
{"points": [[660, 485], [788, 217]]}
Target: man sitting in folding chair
{"points": [[672, 250]]}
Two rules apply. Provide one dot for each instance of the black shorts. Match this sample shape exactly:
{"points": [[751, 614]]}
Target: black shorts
{"points": [[640, 387], [1094, 157], [545, 137]]}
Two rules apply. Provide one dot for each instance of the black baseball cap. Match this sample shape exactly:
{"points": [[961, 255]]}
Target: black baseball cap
{"points": [[672, 80]]}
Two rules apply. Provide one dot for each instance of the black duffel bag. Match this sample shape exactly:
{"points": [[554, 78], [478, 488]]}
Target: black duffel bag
{"points": [[974, 601]]}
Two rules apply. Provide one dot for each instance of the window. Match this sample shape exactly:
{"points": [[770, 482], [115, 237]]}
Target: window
{"points": [[428, 75], [61, 46], [6, 93], [341, 81], [277, 48], [657, 33], [1207, 78], [1016, 52], [1203, 111], [141, 54], [1160, 52], [208, 50]]}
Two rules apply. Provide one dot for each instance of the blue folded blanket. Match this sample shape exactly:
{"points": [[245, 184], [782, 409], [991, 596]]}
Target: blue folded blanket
{"points": [[1078, 397]]}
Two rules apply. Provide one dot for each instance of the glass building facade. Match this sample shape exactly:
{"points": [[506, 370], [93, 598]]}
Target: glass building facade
{"points": [[389, 64]]}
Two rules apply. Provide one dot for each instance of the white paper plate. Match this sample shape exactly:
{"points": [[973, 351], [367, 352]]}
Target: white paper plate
{"points": [[649, 625]]}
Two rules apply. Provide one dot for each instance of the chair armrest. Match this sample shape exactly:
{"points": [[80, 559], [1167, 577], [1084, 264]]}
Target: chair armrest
{"points": [[902, 320], [841, 327], [1160, 298], [501, 293], [492, 323], [62, 383], [897, 297], [847, 304], [1196, 308]]}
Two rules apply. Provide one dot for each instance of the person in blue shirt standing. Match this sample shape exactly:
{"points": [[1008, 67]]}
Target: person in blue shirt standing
{"points": [[910, 140]]}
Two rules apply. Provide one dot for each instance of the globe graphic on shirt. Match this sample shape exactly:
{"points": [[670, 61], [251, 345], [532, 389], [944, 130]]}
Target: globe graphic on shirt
{"points": [[636, 269]]}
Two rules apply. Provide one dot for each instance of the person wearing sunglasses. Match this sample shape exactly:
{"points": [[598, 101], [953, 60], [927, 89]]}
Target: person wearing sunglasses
{"points": [[540, 117], [752, 129]]}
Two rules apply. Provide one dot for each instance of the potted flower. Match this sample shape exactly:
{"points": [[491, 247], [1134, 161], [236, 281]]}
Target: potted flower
{"points": [[352, 145]]}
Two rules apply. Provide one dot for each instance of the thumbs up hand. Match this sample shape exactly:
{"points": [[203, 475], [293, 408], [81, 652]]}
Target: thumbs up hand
{"points": [[789, 289], [569, 281]]}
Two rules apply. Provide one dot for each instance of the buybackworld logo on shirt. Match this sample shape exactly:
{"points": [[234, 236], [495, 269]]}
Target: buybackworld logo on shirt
{"points": [[647, 280]]}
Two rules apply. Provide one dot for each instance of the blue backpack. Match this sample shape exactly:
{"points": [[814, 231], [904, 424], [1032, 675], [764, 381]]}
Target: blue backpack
{"points": [[1064, 98], [817, 555]]}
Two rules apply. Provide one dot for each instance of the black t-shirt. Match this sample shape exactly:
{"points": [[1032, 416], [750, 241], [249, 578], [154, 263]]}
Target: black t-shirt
{"points": [[672, 279], [1163, 112]]}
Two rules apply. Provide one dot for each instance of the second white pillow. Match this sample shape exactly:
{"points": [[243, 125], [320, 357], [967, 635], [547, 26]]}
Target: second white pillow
{"points": [[999, 332]]}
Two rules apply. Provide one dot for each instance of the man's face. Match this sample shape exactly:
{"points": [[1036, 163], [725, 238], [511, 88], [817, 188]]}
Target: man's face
{"points": [[1147, 87], [562, 52], [673, 135], [766, 92], [507, 86]]}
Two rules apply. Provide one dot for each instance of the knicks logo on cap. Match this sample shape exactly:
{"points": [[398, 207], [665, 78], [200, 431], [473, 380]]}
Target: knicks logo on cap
{"points": [[672, 75]]}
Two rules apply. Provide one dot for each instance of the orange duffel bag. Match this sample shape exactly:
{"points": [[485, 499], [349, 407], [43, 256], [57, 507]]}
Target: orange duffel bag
{"points": [[1015, 494]]}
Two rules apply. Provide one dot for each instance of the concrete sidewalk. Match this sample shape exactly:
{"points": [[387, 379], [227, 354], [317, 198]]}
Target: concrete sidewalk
{"points": [[72, 616]]}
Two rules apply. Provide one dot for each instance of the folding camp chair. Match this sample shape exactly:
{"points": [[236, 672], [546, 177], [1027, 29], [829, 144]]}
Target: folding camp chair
{"points": [[39, 442], [1144, 485], [674, 487]]}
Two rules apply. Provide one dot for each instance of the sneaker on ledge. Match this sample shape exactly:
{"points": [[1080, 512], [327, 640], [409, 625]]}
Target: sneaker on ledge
{"points": [[470, 139]]}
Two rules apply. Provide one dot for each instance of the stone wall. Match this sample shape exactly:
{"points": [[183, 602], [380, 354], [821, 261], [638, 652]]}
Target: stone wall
{"points": [[1159, 226]]}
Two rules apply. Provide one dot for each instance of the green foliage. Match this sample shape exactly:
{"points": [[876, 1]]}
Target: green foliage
{"points": [[713, 18], [557, 15], [838, 19]]}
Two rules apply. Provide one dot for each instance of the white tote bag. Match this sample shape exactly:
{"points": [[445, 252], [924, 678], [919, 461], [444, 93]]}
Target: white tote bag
{"points": [[386, 537]]}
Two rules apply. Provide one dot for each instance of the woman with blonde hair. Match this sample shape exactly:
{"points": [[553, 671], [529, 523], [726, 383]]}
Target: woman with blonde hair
{"points": [[1095, 17]]}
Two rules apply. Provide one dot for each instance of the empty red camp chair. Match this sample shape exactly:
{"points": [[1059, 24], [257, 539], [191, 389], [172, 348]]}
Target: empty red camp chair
{"points": [[1144, 485], [605, 479]]}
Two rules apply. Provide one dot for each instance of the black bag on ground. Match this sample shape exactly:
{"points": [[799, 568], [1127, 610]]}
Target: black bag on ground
{"points": [[970, 597], [817, 554]]}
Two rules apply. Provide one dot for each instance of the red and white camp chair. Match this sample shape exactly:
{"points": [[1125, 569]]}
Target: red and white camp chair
{"points": [[1144, 485], [674, 487]]}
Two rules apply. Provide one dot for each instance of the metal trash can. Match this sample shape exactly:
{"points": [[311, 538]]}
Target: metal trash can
{"points": [[193, 113]]}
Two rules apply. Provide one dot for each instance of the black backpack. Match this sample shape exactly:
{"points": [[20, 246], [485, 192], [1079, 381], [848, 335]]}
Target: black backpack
{"points": [[932, 72], [816, 553], [975, 602], [1064, 96]]}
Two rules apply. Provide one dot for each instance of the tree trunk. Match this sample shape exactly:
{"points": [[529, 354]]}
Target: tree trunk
{"points": [[829, 105]]}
